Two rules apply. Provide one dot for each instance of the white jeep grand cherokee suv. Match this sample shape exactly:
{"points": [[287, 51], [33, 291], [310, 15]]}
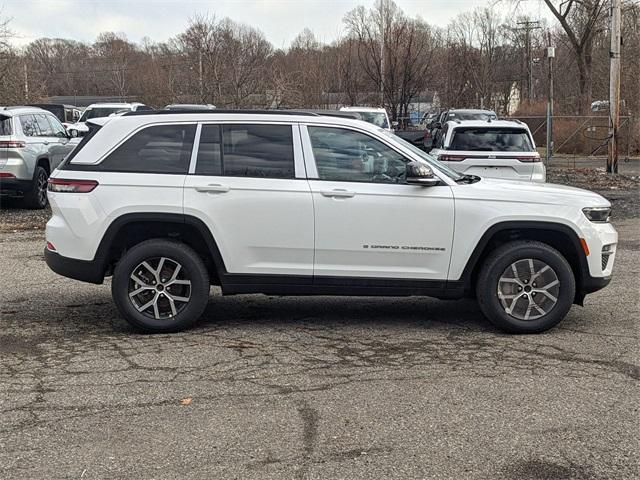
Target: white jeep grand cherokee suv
{"points": [[293, 203]]}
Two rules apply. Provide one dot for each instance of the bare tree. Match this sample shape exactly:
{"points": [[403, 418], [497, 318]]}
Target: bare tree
{"points": [[581, 21]]}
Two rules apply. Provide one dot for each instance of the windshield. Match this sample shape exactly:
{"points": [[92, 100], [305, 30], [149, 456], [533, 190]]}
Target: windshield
{"points": [[471, 116], [379, 119], [491, 139], [99, 112], [452, 174]]}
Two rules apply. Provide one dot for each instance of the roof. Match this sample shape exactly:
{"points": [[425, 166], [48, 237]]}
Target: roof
{"points": [[18, 109], [217, 111], [487, 123], [471, 110]]}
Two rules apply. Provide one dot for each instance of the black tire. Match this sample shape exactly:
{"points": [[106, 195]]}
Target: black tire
{"points": [[496, 265], [192, 269], [36, 197]]}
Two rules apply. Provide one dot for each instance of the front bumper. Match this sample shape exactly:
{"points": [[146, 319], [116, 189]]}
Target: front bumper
{"points": [[90, 271]]}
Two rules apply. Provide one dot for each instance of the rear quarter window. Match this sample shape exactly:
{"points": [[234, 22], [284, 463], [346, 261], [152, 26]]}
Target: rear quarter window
{"points": [[491, 139], [156, 149]]}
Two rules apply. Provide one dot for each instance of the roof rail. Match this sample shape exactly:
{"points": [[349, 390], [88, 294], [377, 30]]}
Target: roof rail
{"points": [[217, 111]]}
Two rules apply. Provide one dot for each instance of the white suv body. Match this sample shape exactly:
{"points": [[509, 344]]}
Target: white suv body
{"points": [[305, 204], [496, 148]]}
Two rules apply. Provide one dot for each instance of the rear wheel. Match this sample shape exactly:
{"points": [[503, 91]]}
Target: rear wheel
{"points": [[36, 198], [525, 287], [161, 286]]}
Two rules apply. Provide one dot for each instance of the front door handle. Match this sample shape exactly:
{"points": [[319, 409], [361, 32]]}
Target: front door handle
{"points": [[213, 188], [338, 192]]}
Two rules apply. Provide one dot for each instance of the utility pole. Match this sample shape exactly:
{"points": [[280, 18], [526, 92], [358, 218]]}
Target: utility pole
{"points": [[26, 81], [551, 53], [614, 86], [528, 26], [382, 69]]}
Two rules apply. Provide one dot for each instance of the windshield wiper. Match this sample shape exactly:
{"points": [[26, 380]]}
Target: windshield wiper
{"points": [[468, 179]]}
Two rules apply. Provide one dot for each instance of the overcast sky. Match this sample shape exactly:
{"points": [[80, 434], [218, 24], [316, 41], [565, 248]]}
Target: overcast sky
{"points": [[280, 20]]}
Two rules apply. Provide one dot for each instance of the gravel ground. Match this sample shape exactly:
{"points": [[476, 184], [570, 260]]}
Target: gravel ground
{"points": [[313, 387]]}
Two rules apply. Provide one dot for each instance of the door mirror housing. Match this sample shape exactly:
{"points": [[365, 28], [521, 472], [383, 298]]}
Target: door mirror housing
{"points": [[420, 174]]}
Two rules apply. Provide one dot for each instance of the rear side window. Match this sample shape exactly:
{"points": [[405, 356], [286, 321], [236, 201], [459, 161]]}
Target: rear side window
{"points": [[29, 125], [56, 127], [264, 151], [157, 149], [259, 151], [5, 126], [210, 151], [491, 139]]}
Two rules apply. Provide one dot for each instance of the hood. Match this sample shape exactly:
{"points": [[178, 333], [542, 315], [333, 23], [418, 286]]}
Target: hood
{"points": [[529, 192]]}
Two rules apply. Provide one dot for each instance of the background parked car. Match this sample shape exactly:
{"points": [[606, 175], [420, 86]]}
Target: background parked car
{"points": [[32, 143], [67, 114], [375, 116], [501, 149], [99, 110], [455, 114]]}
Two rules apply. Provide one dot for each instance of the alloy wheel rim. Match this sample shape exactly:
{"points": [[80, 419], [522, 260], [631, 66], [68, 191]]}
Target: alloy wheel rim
{"points": [[528, 289], [159, 288], [42, 188]]}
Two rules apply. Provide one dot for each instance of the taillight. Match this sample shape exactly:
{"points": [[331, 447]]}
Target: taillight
{"points": [[71, 186], [12, 144], [451, 158], [51, 247], [6, 175], [532, 158]]}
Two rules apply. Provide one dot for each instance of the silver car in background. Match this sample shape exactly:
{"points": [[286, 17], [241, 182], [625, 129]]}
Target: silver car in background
{"points": [[33, 142]]}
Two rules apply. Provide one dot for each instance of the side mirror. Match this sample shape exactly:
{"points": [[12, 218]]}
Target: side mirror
{"points": [[437, 125], [72, 132], [420, 174], [394, 124]]}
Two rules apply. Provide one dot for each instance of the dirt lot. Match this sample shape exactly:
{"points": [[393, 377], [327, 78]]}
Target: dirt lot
{"points": [[312, 387]]}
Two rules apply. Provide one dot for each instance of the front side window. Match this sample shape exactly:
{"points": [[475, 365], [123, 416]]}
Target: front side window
{"points": [[44, 126], [349, 156], [491, 139], [157, 149], [263, 151], [56, 127]]}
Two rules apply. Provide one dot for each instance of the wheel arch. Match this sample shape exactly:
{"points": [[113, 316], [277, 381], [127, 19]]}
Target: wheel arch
{"points": [[130, 229], [557, 235]]}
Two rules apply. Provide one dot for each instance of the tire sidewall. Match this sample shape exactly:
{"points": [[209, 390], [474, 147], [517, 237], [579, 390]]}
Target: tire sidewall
{"points": [[191, 264], [488, 287]]}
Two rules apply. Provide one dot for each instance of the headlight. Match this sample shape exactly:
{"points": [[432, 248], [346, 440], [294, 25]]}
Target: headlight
{"points": [[598, 214]]}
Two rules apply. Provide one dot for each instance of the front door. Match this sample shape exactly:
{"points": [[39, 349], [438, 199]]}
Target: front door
{"points": [[368, 222]]}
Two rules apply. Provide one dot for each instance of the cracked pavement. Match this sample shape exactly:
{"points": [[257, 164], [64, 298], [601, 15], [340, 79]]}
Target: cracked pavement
{"points": [[313, 387]]}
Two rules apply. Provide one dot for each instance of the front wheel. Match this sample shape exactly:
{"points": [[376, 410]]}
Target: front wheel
{"points": [[160, 286], [525, 287]]}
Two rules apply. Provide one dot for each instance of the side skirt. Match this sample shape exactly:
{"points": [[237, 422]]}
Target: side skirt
{"points": [[233, 284]]}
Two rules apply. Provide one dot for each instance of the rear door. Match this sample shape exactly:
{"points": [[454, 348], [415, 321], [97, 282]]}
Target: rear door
{"points": [[247, 183], [59, 145]]}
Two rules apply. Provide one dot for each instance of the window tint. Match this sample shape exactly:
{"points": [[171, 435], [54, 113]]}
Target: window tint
{"points": [[29, 125], [56, 127], [209, 154], [258, 151], [43, 125], [345, 155], [491, 139], [158, 149], [5, 126]]}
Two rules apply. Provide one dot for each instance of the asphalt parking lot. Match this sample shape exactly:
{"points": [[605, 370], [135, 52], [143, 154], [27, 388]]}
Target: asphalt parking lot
{"points": [[313, 387]]}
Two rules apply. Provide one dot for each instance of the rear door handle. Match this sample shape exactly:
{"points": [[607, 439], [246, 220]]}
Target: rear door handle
{"points": [[212, 187], [338, 192]]}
